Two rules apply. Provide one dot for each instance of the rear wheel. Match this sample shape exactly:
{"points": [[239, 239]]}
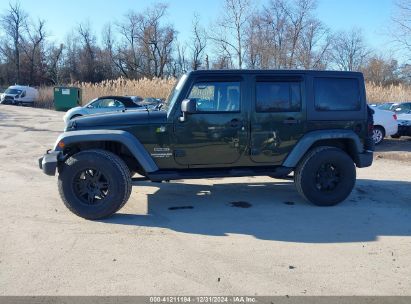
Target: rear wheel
{"points": [[378, 134], [325, 176], [94, 184]]}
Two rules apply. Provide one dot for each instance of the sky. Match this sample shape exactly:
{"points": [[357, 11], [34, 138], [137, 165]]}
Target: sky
{"points": [[372, 16]]}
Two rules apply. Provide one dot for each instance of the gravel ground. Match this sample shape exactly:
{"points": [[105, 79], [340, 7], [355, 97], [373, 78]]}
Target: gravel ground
{"points": [[252, 236]]}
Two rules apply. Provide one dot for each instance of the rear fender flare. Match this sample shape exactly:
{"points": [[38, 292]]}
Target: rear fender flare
{"points": [[310, 138]]}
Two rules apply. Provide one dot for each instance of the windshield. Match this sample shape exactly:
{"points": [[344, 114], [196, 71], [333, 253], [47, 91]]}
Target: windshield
{"points": [[13, 91], [385, 106], [171, 99], [90, 102]]}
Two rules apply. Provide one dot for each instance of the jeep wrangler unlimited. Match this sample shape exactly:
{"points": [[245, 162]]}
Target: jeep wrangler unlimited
{"points": [[218, 124]]}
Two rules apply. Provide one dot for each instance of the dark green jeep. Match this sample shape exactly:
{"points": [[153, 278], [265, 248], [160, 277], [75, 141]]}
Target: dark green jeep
{"points": [[219, 124]]}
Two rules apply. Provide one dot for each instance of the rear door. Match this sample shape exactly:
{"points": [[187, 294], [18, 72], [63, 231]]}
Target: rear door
{"points": [[278, 119]]}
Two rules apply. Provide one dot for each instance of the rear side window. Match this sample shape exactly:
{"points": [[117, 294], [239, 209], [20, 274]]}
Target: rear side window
{"points": [[278, 96], [336, 94]]}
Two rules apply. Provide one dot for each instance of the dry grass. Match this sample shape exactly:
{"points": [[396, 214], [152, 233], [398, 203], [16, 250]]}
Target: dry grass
{"points": [[393, 93], [161, 87], [157, 87]]}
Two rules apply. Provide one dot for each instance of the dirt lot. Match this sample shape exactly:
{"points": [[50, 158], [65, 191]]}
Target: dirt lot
{"points": [[279, 245]]}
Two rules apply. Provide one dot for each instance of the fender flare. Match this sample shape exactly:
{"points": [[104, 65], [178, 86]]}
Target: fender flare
{"points": [[123, 137], [310, 138]]}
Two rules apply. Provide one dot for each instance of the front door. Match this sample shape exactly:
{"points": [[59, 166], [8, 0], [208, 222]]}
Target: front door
{"points": [[277, 122], [216, 133]]}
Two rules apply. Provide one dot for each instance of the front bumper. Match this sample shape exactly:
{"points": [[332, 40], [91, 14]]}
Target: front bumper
{"points": [[48, 163]]}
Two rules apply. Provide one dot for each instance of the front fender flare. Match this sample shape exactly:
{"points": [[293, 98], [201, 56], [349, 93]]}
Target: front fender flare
{"points": [[123, 137]]}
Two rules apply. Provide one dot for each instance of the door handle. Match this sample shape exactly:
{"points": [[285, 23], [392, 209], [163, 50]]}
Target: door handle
{"points": [[291, 121], [235, 123]]}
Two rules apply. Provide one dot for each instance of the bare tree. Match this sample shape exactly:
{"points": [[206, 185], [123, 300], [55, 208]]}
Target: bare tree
{"points": [[32, 46], [231, 29], [13, 24], [381, 71], [401, 31], [313, 49], [88, 52], [108, 52], [349, 50], [54, 56], [147, 44], [198, 44]]}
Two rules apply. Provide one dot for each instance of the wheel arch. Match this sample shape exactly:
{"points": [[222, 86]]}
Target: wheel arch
{"points": [[121, 143], [345, 140]]}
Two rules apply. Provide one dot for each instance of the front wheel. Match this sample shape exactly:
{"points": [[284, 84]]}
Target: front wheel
{"points": [[325, 176], [94, 184]]}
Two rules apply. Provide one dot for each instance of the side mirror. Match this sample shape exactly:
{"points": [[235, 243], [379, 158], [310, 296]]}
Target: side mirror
{"points": [[398, 109], [188, 106]]}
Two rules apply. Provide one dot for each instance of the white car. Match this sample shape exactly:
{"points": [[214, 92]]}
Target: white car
{"points": [[104, 104], [385, 124], [19, 95]]}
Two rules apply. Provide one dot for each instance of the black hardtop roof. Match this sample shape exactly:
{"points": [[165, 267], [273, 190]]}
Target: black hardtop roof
{"points": [[282, 72]]}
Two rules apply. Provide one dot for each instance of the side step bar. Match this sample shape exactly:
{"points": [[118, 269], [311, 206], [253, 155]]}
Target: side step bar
{"points": [[167, 175]]}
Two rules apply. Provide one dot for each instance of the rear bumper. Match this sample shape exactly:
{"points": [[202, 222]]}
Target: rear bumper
{"points": [[365, 159], [48, 163], [391, 129]]}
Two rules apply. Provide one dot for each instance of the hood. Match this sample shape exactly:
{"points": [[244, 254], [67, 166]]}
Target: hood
{"points": [[117, 120]]}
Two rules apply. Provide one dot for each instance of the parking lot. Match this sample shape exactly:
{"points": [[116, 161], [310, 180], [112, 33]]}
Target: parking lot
{"points": [[252, 236]]}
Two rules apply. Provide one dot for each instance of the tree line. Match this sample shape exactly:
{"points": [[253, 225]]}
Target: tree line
{"points": [[282, 34]]}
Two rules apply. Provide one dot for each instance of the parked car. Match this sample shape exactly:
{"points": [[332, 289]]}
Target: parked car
{"points": [[385, 124], [151, 102], [19, 95], [402, 108], [104, 104], [386, 106], [404, 126], [222, 124]]}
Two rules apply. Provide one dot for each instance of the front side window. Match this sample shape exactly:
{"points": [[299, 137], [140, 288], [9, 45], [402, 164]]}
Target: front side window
{"points": [[216, 96], [336, 94], [278, 96]]}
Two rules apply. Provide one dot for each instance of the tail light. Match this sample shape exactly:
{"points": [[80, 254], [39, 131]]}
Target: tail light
{"points": [[395, 116]]}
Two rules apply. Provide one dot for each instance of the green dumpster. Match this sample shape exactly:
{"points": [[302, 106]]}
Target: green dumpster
{"points": [[66, 98]]}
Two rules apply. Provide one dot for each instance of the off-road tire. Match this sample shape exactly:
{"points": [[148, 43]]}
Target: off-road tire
{"points": [[114, 170], [306, 176], [380, 132]]}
